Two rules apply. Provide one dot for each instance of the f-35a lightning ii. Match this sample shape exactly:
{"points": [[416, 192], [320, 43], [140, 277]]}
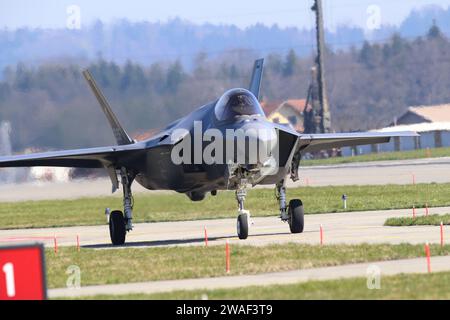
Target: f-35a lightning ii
{"points": [[221, 159]]}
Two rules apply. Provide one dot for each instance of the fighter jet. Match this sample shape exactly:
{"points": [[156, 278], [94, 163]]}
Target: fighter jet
{"points": [[227, 144]]}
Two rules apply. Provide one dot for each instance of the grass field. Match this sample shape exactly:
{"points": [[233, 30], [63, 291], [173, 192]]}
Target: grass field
{"points": [[405, 286], [261, 202], [431, 220], [399, 155], [147, 264]]}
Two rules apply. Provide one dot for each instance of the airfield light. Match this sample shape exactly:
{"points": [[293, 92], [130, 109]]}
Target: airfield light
{"points": [[107, 214], [344, 201]]}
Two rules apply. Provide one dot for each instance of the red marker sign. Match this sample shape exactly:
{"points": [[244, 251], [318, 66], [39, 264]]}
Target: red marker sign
{"points": [[22, 273]]}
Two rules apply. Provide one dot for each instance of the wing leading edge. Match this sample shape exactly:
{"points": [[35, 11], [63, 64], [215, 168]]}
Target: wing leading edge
{"points": [[317, 142], [80, 158]]}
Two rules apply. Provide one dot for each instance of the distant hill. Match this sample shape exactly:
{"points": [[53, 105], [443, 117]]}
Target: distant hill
{"points": [[367, 88], [147, 42]]}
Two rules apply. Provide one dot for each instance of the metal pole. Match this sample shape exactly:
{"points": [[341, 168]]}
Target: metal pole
{"points": [[325, 111]]}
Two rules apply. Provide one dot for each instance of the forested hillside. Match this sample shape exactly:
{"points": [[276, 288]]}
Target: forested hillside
{"points": [[148, 42], [50, 106]]}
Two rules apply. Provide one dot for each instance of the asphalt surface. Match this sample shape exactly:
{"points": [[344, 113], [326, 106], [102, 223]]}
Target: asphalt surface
{"points": [[386, 268], [366, 173], [350, 228]]}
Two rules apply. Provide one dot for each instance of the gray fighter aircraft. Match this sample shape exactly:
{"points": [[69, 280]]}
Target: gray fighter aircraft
{"points": [[151, 162]]}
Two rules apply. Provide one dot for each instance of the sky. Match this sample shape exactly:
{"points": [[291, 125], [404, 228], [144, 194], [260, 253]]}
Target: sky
{"points": [[56, 13]]}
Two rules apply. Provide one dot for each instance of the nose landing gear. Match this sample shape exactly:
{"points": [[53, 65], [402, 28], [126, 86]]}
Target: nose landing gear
{"points": [[244, 215]]}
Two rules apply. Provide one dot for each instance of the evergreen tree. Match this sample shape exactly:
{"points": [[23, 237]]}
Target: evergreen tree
{"points": [[434, 32], [175, 76], [290, 63]]}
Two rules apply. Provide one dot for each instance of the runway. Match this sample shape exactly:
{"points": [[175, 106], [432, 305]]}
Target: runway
{"points": [[345, 228], [386, 268], [365, 173]]}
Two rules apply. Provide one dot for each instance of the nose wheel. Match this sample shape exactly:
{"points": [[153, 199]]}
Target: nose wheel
{"points": [[242, 225]]}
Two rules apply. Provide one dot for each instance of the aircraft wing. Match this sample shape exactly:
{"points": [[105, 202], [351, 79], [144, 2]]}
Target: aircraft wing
{"points": [[317, 142], [80, 158]]}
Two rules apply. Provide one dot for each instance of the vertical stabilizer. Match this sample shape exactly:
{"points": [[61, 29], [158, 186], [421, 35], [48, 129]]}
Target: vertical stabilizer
{"points": [[119, 132], [255, 83]]}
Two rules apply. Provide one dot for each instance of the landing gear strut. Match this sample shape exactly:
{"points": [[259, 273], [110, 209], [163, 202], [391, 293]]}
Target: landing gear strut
{"points": [[127, 180], [293, 214], [120, 223], [244, 215]]}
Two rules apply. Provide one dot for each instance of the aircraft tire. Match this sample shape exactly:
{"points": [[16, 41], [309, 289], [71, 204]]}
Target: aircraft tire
{"points": [[296, 216], [242, 226], [117, 229]]}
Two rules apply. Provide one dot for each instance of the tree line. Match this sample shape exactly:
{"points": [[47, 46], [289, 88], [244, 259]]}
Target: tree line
{"points": [[50, 105]]}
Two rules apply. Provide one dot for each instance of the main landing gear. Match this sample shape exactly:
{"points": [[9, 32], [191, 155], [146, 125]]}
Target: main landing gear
{"points": [[120, 223], [293, 213]]}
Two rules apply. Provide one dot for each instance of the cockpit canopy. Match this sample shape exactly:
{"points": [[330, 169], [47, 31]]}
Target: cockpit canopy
{"points": [[237, 102]]}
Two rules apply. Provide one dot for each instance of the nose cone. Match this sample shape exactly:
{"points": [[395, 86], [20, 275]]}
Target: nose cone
{"points": [[255, 144]]}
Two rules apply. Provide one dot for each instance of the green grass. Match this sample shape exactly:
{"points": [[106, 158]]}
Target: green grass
{"points": [[261, 202], [405, 286], [398, 155], [431, 220], [147, 264], [151, 207]]}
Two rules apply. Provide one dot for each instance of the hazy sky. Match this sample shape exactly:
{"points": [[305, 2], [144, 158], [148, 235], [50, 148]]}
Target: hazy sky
{"points": [[53, 13]]}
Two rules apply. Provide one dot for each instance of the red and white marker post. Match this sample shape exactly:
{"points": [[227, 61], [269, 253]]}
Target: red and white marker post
{"points": [[227, 257], [78, 243], [55, 245], [428, 254], [321, 235], [442, 234], [414, 211], [426, 209], [206, 236]]}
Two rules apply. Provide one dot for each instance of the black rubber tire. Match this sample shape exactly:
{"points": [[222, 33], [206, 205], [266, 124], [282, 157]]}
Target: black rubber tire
{"points": [[296, 216], [117, 229], [242, 226]]}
